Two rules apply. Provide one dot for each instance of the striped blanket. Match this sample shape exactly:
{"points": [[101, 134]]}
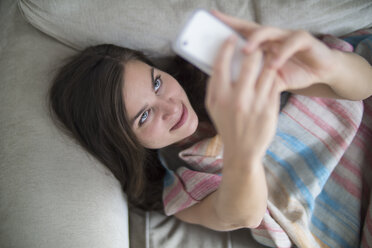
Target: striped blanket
{"points": [[318, 169]]}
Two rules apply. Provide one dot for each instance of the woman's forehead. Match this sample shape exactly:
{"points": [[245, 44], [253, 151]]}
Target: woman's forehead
{"points": [[136, 74], [136, 85]]}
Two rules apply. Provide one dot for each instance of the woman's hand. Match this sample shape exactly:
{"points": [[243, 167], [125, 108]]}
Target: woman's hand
{"points": [[300, 58], [244, 112]]}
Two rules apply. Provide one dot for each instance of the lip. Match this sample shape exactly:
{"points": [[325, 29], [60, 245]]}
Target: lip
{"points": [[182, 119]]}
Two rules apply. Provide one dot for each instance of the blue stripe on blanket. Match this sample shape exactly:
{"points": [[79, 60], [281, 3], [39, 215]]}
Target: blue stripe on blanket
{"points": [[322, 211], [310, 157], [325, 229], [336, 206], [339, 216], [320, 219], [295, 178]]}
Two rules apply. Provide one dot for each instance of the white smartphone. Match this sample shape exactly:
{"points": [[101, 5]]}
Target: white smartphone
{"points": [[201, 39]]}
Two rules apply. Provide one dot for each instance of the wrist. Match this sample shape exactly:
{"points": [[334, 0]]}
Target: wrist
{"points": [[236, 158], [241, 163], [335, 71]]}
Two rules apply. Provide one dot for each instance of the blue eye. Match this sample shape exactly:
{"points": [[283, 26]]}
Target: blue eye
{"points": [[144, 117], [157, 83]]}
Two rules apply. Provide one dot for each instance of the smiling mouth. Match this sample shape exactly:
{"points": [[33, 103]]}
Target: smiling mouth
{"points": [[182, 119]]}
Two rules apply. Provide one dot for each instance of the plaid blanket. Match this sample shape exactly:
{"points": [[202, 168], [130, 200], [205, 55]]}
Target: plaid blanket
{"points": [[318, 169]]}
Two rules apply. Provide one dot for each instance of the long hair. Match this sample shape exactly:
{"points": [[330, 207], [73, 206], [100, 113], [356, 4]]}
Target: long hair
{"points": [[86, 102]]}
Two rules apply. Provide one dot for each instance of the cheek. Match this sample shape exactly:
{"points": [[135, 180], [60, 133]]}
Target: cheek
{"points": [[173, 86], [151, 132]]}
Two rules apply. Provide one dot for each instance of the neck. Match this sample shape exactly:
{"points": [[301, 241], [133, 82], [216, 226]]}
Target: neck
{"points": [[204, 130]]}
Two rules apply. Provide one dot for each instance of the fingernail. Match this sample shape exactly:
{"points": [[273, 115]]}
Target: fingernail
{"points": [[213, 11]]}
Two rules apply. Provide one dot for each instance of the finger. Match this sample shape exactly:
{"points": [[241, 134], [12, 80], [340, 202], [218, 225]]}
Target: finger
{"points": [[271, 47], [274, 98], [261, 35], [221, 68], [249, 72], [295, 43], [210, 96], [240, 25], [220, 79], [265, 83]]}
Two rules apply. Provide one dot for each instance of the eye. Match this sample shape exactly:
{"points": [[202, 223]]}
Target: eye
{"points": [[157, 83], [143, 117]]}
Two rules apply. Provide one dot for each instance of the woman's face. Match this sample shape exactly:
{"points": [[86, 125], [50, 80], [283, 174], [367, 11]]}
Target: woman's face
{"points": [[157, 106]]}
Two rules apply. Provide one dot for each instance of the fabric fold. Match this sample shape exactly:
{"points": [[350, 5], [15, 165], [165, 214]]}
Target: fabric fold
{"points": [[317, 169]]}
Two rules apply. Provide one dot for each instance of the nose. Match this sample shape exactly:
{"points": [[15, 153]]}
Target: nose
{"points": [[168, 109]]}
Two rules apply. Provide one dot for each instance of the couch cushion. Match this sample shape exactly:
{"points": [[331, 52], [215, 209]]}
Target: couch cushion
{"points": [[52, 193], [151, 25]]}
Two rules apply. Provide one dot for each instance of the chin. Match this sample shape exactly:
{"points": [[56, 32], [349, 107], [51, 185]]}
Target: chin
{"points": [[194, 124], [191, 128]]}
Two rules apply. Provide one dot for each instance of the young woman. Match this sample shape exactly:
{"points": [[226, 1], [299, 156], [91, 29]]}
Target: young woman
{"points": [[121, 109]]}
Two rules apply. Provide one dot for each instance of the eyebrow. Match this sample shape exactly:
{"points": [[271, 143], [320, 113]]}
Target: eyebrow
{"points": [[145, 107]]}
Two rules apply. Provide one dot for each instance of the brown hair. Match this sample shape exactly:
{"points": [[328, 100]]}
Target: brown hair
{"points": [[86, 102]]}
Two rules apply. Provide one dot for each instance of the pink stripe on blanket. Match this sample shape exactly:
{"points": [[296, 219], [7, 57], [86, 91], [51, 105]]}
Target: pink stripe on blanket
{"points": [[337, 108], [200, 161], [214, 164], [348, 185], [363, 144], [347, 164], [320, 122], [196, 147], [173, 193], [365, 131], [200, 189], [185, 204], [194, 159], [312, 133], [208, 182], [187, 175]]}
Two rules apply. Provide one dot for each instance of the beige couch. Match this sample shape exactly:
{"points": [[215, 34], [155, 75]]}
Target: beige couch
{"points": [[54, 194]]}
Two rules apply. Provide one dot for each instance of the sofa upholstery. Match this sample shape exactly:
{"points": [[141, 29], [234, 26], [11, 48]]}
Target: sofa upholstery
{"points": [[52, 192]]}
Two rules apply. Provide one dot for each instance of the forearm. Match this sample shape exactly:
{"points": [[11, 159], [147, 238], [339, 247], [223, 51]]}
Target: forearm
{"points": [[239, 202], [242, 196], [351, 77]]}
